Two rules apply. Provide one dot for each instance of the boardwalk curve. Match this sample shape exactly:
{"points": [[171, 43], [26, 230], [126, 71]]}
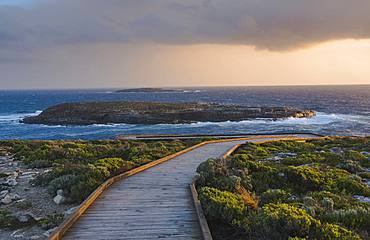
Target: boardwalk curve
{"points": [[154, 204]]}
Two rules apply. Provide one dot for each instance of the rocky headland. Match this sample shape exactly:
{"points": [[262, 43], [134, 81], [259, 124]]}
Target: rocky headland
{"points": [[157, 113], [148, 90]]}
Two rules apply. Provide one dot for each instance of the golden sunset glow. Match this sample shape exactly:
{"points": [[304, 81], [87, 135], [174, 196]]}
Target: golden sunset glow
{"points": [[336, 62]]}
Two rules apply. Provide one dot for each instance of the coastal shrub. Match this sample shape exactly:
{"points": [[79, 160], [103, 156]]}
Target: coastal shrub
{"points": [[322, 177], [291, 146], [306, 193], [40, 164], [350, 166], [260, 153], [222, 205], [24, 205], [260, 175], [7, 220], [76, 164], [300, 160], [50, 152], [254, 150], [111, 165], [242, 157], [281, 221], [365, 163], [215, 173], [249, 200], [3, 175], [358, 143], [252, 166], [305, 178], [354, 156], [353, 185], [341, 201], [84, 188], [275, 196], [64, 182], [328, 204], [358, 218], [265, 180], [60, 170], [365, 175], [334, 232], [51, 221], [331, 158]]}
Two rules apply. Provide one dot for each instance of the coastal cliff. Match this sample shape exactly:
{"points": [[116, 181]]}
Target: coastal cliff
{"points": [[156, 113]]}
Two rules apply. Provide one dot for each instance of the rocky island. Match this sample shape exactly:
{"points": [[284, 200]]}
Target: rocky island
{"points": [[157, 113], [148, 90]]}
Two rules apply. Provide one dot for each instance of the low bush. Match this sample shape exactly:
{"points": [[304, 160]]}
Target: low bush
{"points": [[261, 176], [7, 220], [358, 218], [354, 156], [78, 167], [249, 200], [275, 196], [295, 190], [224, 206], [353, 185], [3, 175], [281, 221], [216, 173], [365, 175], [51, 221], [305, 178], [64, 182], [351, 166], [334, 232]]}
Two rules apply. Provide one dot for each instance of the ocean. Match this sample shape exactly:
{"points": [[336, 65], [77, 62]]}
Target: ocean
{"points": [[341, 110]]}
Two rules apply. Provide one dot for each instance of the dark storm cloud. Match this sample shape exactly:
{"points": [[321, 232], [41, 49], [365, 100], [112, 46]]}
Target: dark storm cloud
{"points": [[271, 24]]}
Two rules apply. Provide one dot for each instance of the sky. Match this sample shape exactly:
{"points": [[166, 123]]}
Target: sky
{"points": [[171, 43]]}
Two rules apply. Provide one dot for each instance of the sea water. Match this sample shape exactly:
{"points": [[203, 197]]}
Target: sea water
{"points": [[341, 110]]}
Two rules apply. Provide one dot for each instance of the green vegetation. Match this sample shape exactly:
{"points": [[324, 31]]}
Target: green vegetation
{"points": [[7, 220], [289, 190], [3, 175], [51, 221], [79, 167]]}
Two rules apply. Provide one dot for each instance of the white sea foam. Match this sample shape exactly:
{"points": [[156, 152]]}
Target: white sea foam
{"points": [[193, 91], [17, 116], [112, 125], [320, 119]]}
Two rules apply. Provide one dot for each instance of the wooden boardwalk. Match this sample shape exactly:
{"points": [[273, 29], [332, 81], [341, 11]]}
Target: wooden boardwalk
{"points": [[154, 204]]}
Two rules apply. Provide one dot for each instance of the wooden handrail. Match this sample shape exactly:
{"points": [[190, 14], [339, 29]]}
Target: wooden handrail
{"points": [[206, 233]]}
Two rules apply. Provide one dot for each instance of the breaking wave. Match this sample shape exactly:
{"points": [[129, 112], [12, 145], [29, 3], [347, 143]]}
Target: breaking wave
{"points": [[320, 119], [17, 116]]}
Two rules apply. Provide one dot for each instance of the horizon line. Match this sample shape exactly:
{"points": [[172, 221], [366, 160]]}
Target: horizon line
{"points": [[179, 87]]}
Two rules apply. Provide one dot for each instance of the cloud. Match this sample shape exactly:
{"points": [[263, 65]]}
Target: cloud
{"points": [[274, 25]]}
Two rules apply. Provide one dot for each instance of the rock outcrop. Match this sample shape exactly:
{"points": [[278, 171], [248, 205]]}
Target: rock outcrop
{"points": [[59, 198], [156, 113], [148, 90]]}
